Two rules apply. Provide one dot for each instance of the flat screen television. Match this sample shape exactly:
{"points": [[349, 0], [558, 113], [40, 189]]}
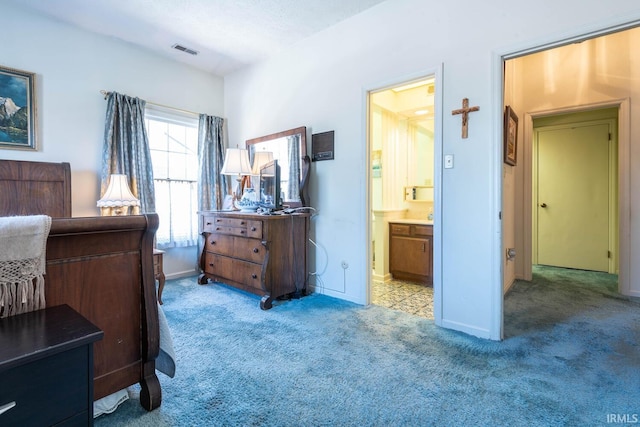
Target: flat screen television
{"points": [[270, 196]]}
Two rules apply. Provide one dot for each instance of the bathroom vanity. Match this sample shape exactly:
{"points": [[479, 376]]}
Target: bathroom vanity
{"points": [[411, 250]]}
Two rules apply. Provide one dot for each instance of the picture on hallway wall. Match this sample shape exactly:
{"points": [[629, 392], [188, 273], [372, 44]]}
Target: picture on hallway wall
{"points": [[510, 136], [17, 109]]}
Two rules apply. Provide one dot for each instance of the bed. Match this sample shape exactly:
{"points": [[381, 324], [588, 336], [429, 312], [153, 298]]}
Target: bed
{"points": [[100, 266]]}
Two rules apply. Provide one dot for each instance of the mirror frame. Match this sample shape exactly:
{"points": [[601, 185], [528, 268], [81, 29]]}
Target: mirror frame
{"points": [[305, 160]]}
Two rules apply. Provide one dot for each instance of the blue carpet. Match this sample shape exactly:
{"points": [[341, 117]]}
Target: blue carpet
{"points": [[570, 359]]}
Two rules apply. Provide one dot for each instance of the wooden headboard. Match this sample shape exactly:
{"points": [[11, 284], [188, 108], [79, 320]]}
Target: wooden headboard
{"points": [[35, 188]]}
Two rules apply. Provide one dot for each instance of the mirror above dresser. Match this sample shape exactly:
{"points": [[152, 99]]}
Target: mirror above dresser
{"points": [[289, 148]]}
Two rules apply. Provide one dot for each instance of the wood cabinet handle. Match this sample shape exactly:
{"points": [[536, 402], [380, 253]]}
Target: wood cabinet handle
{"points": [[424, 247], [255, 250]]}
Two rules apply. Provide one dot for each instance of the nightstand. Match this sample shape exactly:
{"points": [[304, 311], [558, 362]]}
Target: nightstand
{"points": [[46, 366], [158, 272]]}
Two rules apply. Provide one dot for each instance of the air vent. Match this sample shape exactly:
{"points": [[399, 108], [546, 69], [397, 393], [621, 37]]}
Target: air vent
{"points": [[185, 49]]}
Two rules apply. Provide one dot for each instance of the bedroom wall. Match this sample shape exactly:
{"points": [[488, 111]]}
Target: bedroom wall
{"points": [[322, 83], [72, 66]]}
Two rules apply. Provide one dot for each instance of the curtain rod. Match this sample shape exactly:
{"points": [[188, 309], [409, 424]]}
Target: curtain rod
{"points": [[107, 93]]}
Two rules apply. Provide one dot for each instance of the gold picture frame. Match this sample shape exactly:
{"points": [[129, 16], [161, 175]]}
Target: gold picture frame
{"points": [[510, 136]]}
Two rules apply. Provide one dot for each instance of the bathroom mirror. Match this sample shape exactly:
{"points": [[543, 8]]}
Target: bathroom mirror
{"points": [[289, 148]]}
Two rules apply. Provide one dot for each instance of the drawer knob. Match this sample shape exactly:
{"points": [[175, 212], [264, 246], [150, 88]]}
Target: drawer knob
{"points": [[213, 242], [208, 223], [254, 276], [255, 250], [241, 222], [253, 229], [210, 264], [217, 228], [241, 231]]}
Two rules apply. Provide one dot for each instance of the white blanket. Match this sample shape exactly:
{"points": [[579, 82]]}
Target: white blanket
{"points": [[23, 244]]}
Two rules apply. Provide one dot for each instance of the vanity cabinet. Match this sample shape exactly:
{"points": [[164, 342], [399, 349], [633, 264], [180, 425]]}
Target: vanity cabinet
{"points": [[262, 254], [411, 252]]}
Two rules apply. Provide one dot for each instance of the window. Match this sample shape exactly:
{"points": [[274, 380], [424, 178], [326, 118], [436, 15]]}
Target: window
{"points": [[173, 142]]}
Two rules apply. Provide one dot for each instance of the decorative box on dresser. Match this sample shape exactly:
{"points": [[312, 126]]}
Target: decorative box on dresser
{"points": [[411, 252], [262, 254], [46, 366]]}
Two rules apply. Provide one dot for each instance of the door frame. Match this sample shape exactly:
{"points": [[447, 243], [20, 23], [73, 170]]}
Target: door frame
{"points": [[624, 170], [498, 90], [612, 175], [437, 73]]}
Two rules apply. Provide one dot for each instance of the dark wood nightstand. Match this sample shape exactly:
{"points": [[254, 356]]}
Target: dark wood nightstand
{"points": [[46, 366], [158, 272]]}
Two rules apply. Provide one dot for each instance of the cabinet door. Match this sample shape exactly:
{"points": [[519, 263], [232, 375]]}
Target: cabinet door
{"points": [[410, 255]]}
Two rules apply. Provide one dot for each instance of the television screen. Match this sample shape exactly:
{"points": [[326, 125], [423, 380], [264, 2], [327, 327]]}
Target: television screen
{"points": [[270, 197]]}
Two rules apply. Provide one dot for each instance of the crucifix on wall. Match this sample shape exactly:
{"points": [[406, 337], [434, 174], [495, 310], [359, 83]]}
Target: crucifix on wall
{"points": [[465, 110]]}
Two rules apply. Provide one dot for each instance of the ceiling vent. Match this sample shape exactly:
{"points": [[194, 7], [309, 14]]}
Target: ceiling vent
{"points": [[184, 49]]}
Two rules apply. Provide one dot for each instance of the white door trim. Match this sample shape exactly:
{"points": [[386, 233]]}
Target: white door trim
{"points": [[437, 73]]}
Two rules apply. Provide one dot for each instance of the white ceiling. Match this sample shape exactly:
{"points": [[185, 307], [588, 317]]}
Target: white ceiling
{"points": [[228, 34]]}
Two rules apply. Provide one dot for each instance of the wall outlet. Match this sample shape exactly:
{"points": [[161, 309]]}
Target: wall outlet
{"points": [[344, 265]]}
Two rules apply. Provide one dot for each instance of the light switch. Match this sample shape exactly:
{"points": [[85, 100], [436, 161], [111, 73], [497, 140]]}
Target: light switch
{"points": [[448, 161]]}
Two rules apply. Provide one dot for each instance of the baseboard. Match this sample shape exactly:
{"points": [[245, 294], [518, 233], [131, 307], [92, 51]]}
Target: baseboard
{"points": [[467, 329], [181, 274], [381, 278]]}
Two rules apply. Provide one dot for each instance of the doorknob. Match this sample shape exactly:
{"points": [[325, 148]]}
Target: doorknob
{"points": [[544, 205]]}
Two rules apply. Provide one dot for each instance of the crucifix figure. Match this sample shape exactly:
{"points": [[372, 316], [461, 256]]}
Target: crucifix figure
{"points": [[465, 110]]}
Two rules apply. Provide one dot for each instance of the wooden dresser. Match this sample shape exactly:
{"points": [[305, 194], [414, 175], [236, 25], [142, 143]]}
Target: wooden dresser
{"points": [[262, 254], [411, 252], [46, 366]]}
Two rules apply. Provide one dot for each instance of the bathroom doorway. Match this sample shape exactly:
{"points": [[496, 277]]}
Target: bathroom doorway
{"points": [[401, 143]]}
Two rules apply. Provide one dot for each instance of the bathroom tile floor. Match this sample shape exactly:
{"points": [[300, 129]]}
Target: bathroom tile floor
{"points": [[405, 296]]}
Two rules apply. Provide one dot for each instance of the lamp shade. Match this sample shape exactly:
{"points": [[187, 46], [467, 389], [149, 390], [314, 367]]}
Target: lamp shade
{"points": [[118, 193], [236, 162], [259, 159]]}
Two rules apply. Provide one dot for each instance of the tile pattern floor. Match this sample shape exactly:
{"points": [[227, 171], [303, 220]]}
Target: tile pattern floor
{"points": [[404, 296]]}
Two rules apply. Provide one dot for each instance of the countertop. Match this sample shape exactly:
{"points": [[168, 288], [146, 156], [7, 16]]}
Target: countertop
{"points": [[412, 221]]}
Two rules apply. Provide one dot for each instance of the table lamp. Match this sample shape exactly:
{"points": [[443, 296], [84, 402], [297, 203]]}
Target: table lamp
{"points": [[118, 196]]}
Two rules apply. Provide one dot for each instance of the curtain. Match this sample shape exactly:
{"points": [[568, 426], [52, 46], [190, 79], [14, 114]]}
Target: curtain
{"points": [[126, 149], [211, 185], [293, 189]]}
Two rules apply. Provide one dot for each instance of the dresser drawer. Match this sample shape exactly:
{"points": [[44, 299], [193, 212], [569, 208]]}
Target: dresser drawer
{"points": [[218, 265], [214, 223], [248, 273], [249, 249], [219, 244], [47, 391], [254, 229]]}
